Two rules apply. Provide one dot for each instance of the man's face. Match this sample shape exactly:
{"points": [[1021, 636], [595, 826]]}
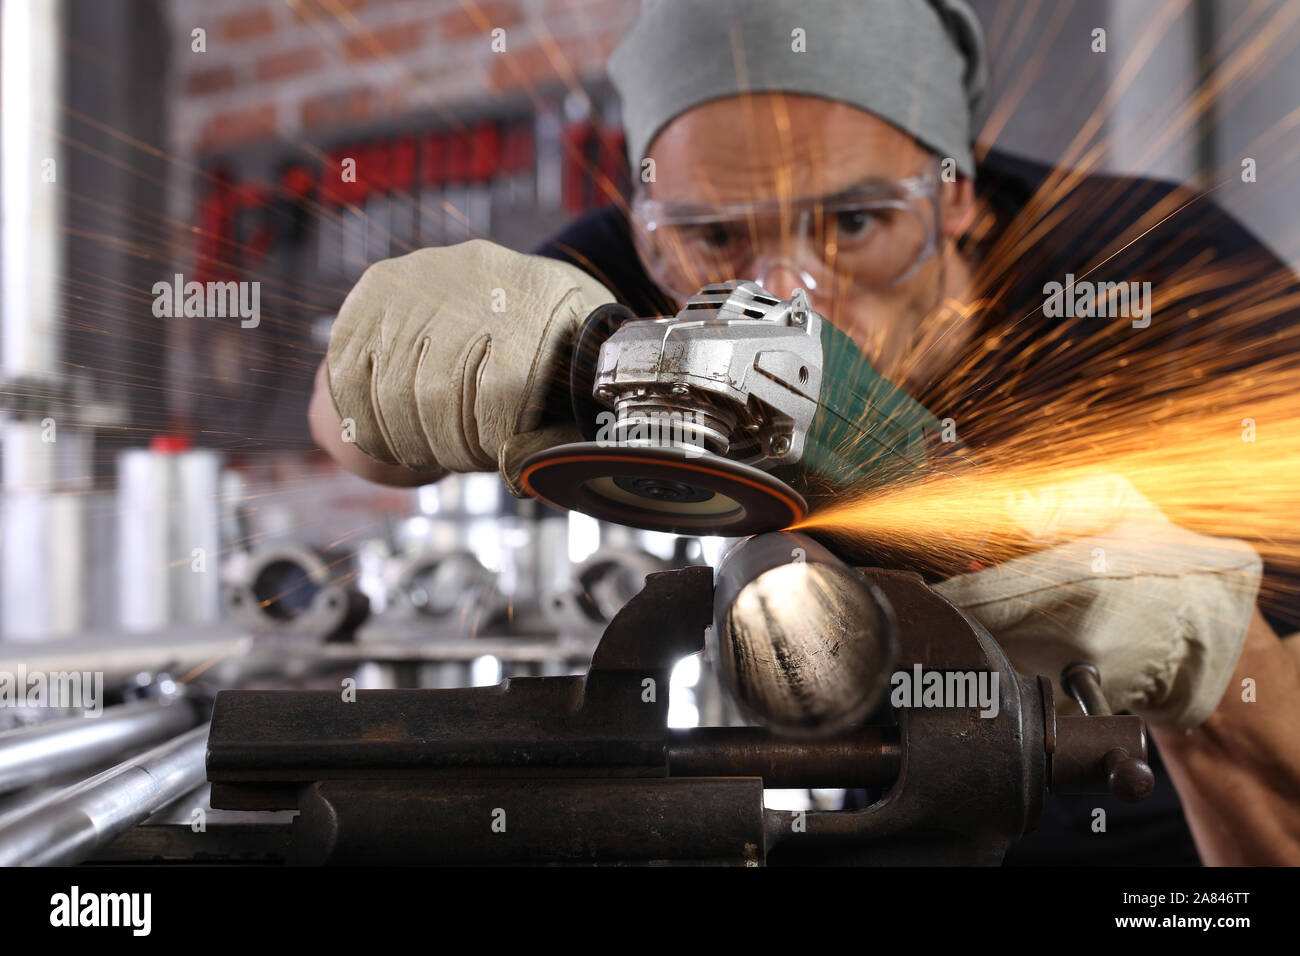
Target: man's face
{"points": [[773, 146]]}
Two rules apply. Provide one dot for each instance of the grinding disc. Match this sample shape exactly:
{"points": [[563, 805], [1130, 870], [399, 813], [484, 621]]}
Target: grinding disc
{"points": [[662, 489]]}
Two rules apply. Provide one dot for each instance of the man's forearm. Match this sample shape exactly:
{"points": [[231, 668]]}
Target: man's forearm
{"points": [[1238, 774]]}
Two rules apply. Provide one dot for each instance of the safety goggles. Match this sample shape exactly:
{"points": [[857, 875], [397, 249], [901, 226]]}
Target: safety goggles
{"points": [[871, 236]]}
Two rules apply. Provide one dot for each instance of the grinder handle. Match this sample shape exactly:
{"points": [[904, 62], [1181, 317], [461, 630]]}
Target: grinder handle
{"points": [[603, 322]]}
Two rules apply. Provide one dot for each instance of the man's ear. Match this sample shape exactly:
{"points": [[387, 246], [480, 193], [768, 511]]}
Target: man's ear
{"points": [[957, 206]]}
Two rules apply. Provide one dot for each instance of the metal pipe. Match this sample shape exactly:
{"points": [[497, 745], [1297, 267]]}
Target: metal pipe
{"points": [[865, 757], [803, 642], [31, 754], [121, 656], [69, 826]]}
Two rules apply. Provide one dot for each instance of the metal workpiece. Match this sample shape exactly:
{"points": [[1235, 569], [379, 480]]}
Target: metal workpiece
{"points": [[804, 643], [527, 728], [736, 372], [298, 591], [68, 826], [48, 750]]}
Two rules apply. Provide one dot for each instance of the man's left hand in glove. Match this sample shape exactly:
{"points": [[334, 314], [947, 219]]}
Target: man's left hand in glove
{"points": [[1168, 617], [1161, 611]]}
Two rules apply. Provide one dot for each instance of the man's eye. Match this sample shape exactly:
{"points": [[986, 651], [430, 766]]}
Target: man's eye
{"points": [[712, 236], [855, 223]]}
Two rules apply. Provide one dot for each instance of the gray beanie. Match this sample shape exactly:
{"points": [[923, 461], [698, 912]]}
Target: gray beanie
{"points": [[918, 64]]}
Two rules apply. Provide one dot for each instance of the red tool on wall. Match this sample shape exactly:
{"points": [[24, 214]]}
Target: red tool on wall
{"points": [[455, 217], [433, 171], [484, 167], [329, 225], [374, 169], [611, 164], [520, 168], [577, 142], [255, 230], [353, 189], [401, 198], [215, 249]]}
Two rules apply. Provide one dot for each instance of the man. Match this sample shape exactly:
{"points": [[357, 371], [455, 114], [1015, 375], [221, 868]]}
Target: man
{"points": [[827, 147]]}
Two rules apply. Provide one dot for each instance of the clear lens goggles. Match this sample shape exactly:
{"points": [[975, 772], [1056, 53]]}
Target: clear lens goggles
{"points": [[872, 236]]}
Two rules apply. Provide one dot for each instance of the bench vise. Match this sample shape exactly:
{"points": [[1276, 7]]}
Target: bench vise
{"points": [[585, 770]]}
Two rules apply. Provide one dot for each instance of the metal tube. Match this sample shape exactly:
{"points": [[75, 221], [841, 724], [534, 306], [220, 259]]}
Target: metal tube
{"points": [[46, 750], [803, 642], [121, 656], [70, 825], [866, 757]]}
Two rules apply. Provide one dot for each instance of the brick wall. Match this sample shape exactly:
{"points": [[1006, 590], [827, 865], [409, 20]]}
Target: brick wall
{"points": [[297, 68], [293, 71]]}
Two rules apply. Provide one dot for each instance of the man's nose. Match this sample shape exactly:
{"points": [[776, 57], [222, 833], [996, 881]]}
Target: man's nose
{"points": [[782, 278]]}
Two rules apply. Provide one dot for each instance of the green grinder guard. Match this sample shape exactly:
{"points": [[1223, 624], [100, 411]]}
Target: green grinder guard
{"points": [[866, 433]]}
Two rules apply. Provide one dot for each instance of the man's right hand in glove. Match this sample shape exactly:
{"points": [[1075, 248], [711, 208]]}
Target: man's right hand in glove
{"points": [[442, 361]]}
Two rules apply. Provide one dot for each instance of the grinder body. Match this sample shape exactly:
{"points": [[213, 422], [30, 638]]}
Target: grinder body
{"points": [[727, 418]]}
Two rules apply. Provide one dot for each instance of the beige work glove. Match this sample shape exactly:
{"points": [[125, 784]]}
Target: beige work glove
{"points": [[1161, 611], [443, 358]]}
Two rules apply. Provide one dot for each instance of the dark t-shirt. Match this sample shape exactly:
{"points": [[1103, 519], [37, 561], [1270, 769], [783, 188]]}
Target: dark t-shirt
{"points": [[1038, 226]]}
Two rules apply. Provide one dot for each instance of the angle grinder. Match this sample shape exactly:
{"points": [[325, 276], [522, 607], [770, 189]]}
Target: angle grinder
{"points": [[729, 418]]}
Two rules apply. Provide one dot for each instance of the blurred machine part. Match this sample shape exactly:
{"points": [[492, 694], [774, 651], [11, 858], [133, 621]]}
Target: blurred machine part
{"points": [[42, 548], [299, 592], [168, 536], [602, 584], [452, 592], [534, 564]]}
